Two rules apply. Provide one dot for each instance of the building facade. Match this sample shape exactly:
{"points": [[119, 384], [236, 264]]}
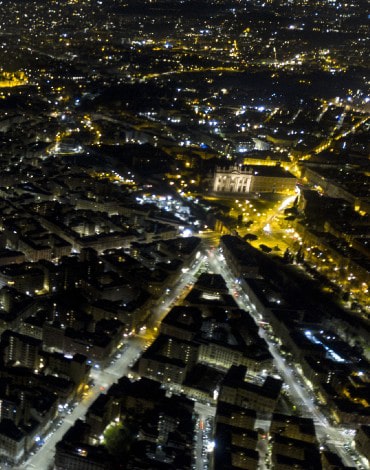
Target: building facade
{"points": [[252, 179]]}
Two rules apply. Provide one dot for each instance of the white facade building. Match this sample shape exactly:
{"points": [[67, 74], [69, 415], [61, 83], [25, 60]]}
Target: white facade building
{"points": [[252, 179]]}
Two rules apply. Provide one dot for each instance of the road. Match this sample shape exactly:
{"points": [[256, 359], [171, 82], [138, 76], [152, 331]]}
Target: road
{"points": [[104, 378], [300, 395], [304, 400], [204, 435]]}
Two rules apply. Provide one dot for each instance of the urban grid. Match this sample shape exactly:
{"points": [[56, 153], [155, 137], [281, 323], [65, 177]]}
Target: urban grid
{"points": [[184, 234]]}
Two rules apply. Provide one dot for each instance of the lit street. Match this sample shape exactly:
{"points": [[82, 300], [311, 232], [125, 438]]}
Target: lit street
{"points": [[299, 394], [167, 166], [131, 351], [104, 378]]}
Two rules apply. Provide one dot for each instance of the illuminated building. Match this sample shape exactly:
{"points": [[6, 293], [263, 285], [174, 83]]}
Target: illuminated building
{"points": [[9, 79], [253, 179]]}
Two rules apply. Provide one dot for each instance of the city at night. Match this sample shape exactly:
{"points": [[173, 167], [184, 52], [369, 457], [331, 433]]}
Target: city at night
{"points": [[184, 235]]}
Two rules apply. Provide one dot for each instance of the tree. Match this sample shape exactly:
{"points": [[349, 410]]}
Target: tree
{"points": [[118, 438], [288, 257], [300, 256], [250, 237]]}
